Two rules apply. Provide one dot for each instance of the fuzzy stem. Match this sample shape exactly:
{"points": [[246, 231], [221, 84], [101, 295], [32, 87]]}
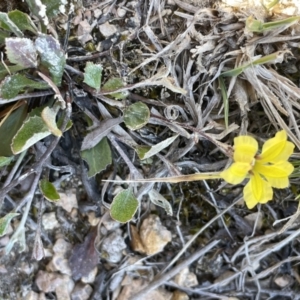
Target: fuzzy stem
{"points": [[175, 179]]}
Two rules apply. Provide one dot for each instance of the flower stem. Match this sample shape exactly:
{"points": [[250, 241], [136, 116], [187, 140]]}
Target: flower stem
{"points": [[176, 179]]}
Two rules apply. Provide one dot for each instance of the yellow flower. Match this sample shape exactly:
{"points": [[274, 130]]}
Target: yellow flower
{"points": [[266, 170]]}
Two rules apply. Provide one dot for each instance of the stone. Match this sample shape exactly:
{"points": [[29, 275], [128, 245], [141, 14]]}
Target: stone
{"points": [[90, 278], [48, 282], [135, 285], [60, 264], [178, 295], [61, 246], [107, 29], [49, 221], [81, 291], [113, 246], [31, 295], [154, 235], [121, 12], [185, 278], [68, 200]]}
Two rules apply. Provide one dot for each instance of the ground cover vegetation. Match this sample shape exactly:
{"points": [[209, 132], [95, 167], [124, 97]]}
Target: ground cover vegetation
{"points": [[149, 149]]}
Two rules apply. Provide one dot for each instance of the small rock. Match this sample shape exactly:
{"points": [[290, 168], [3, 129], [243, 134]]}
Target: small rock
{"points": [[107, 29], [49, 221], [49, 282], [83, 32], [27, 268], [90, 278], [32, 296], [93, 220], [121, 12], [81, 291], [61, 246], [3, 269], [178, 295], [97, 13], [42, 296], [110, 224], [60, 264], [136, 242], [251, 218], [68, 200], [154, 235], [136, 285], [62, 292], [185, 278], [284, 280], [112, 247]]}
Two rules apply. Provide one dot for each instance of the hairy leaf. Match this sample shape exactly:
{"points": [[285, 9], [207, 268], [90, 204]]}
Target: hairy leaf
{"points": [[38, 9], [49, 116], [54, 7], [3, 35], [12, 70], [157, 148], [23, 21], [4, 222], [48, 190], [97, 157], [33, 130], [15, 84], [9, 128], [52, 56], [9, 25], [22, 52], [93, 75], [136, 115], [4, 161], [114, 84], [157, 199], [124, 206]]}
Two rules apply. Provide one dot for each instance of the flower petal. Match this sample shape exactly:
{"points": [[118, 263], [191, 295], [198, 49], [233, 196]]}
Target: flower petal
{"points": [[257, 190], [236, 173], [276, 174], [245, 148], [276, 148]]}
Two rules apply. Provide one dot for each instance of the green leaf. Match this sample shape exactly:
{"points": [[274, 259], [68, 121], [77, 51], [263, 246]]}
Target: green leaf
{"points": [[157, 148], [22, 52], [12, 69], [52, 56], [15, 84], [49, 117], [48, 190], [3, 35], [141, 150], [4, 161], [38, 9], [114, 84], [54, 7], [23, 21], [136, 115], [33, 130], [259, 26], [7, 24], [157, 199], [4, 222], [93, 75], [124, 206], [98, 157], [10, 127]]}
